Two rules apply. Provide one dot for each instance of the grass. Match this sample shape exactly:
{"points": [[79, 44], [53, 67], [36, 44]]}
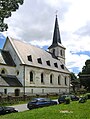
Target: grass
{"points": [[74, 110]]}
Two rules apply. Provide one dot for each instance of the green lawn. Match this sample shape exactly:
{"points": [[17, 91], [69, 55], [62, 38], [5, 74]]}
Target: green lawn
{"points": [[74, 110]]}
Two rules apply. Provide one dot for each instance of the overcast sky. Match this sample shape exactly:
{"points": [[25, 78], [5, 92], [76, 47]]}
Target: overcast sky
{"points": [[34, 23]]}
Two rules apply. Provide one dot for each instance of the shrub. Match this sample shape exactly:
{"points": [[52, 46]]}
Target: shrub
{"points": [[87, 95], [67, 100]]}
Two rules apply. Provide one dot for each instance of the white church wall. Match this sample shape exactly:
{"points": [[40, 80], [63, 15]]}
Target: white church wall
{"points": [[20, 76], [10, 90], [8, 70], [37, 87], [43, 90]]}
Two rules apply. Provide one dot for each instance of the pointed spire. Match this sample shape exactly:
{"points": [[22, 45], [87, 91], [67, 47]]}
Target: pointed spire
{"points": [[56, 35]]}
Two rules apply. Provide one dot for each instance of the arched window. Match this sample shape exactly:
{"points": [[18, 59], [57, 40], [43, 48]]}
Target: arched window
{"points": [[42, 78], [59, 80], [51, 79], [3, 71], [17, 72], [31, 76], [54, 51], [65, 81], [61, 52]]}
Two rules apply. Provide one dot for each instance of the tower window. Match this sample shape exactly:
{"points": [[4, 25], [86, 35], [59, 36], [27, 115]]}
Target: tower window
{"points": [[55, 64], [65, 81], [53, 51], [39, 60], [48, 63], [61, 52], [29, 58]]}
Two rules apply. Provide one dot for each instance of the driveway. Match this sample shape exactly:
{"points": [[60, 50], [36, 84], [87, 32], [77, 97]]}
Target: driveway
{"points": [[20, 107]]}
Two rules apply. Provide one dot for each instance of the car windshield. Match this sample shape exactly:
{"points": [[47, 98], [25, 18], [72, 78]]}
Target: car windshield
{"points": [[47, 99], [40, 99], [34, 100]]}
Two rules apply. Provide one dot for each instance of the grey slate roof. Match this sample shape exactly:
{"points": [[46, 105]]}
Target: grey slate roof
{"points": [[9, 80], [56, 36], [25, 49], [3, 82], [5, 58]]}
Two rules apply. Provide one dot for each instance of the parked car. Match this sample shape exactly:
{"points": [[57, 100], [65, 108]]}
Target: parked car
{"points": [[62, 98], [40, 102], [7, 110], [74, 97]]}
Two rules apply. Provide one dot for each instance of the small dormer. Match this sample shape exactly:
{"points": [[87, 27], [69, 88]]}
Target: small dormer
{"points": [[57, 49]]}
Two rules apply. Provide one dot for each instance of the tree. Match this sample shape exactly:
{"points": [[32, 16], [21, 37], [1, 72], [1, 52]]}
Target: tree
{"points": [[74, 81], [6, 7], [85, 75], [86, 68], [73, 76]]}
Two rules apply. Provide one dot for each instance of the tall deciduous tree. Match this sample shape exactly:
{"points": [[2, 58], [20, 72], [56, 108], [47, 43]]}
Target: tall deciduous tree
{"points": [[85, 75], [74, 81], [6, 7]]}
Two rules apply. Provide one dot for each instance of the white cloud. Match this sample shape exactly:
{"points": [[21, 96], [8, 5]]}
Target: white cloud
{"points": [[41, 43], [52, 2], [77, 15], [74, 60]]}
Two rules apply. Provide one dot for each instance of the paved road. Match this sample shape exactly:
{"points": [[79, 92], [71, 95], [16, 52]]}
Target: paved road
{"points": [[22, 107]]}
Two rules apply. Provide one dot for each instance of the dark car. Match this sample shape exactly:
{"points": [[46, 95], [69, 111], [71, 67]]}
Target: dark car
{"points": [[62, 98], [7, 110], [74, 97], [40, 102]]}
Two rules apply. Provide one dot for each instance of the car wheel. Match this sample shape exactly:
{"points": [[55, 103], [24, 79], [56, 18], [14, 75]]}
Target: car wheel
{"points": [[59, 102]]}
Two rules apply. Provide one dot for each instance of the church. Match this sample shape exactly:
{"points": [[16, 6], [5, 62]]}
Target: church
{"points": [[26, 69]]}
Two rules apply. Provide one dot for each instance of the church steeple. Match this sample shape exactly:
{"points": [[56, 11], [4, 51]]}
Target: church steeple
{"points": [[57, 49], [56, 35]]}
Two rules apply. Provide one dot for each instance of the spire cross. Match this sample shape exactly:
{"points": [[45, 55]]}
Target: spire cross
{"points": [[56, 12]]}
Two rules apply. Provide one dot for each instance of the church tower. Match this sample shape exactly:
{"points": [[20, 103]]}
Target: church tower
{"points": [[57, 49]]}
